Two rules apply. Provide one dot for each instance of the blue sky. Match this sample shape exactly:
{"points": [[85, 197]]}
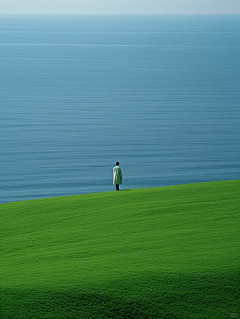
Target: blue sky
{"points": [[120, 6]]}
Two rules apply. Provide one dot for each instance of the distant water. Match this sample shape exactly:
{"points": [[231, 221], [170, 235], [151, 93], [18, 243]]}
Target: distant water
{"points": [[160, 94]]}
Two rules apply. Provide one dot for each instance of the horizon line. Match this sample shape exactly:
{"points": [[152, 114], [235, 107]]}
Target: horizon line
{"points": [[120, 14]]}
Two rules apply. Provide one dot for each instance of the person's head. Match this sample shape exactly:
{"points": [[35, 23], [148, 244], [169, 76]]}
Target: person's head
{"points": [[117, 163]]}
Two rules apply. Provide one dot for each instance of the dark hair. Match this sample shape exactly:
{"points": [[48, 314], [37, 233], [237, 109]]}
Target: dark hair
{"points": [[117, 163]]}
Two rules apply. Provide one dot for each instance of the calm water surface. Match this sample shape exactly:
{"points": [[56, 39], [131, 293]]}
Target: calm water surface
{"points": [[160, 94]]}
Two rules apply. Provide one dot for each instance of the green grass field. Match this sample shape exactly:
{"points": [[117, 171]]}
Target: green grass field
{"points": [[170, 253]]}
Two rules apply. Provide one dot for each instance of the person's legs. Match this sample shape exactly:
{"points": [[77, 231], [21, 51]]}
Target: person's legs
{"points": [[117, 187]]}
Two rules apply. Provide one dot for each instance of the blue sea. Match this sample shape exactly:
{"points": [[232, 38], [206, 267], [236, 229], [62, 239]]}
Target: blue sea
{"points": [[159, 94]]}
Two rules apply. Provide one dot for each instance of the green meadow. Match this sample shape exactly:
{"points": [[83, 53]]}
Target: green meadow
{"points": [[169, 252]]}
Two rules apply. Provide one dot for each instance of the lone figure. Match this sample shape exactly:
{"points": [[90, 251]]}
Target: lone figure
{"points": [[117, 176]]}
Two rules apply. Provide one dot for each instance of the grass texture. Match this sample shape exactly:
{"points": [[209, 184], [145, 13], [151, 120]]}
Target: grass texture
{"points": [[170, 253]]}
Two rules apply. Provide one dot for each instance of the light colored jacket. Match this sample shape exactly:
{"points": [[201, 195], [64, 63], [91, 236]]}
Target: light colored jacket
{"points": [[117, 175]]}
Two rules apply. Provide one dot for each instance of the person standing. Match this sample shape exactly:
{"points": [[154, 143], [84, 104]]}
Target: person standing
{"points": [[117, 176]]}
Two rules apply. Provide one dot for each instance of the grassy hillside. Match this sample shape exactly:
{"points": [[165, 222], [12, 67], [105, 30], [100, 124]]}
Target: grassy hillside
{"points": [[169, 253]]}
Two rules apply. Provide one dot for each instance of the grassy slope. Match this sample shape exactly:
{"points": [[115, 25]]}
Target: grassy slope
{"points": [[169, 252]]}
